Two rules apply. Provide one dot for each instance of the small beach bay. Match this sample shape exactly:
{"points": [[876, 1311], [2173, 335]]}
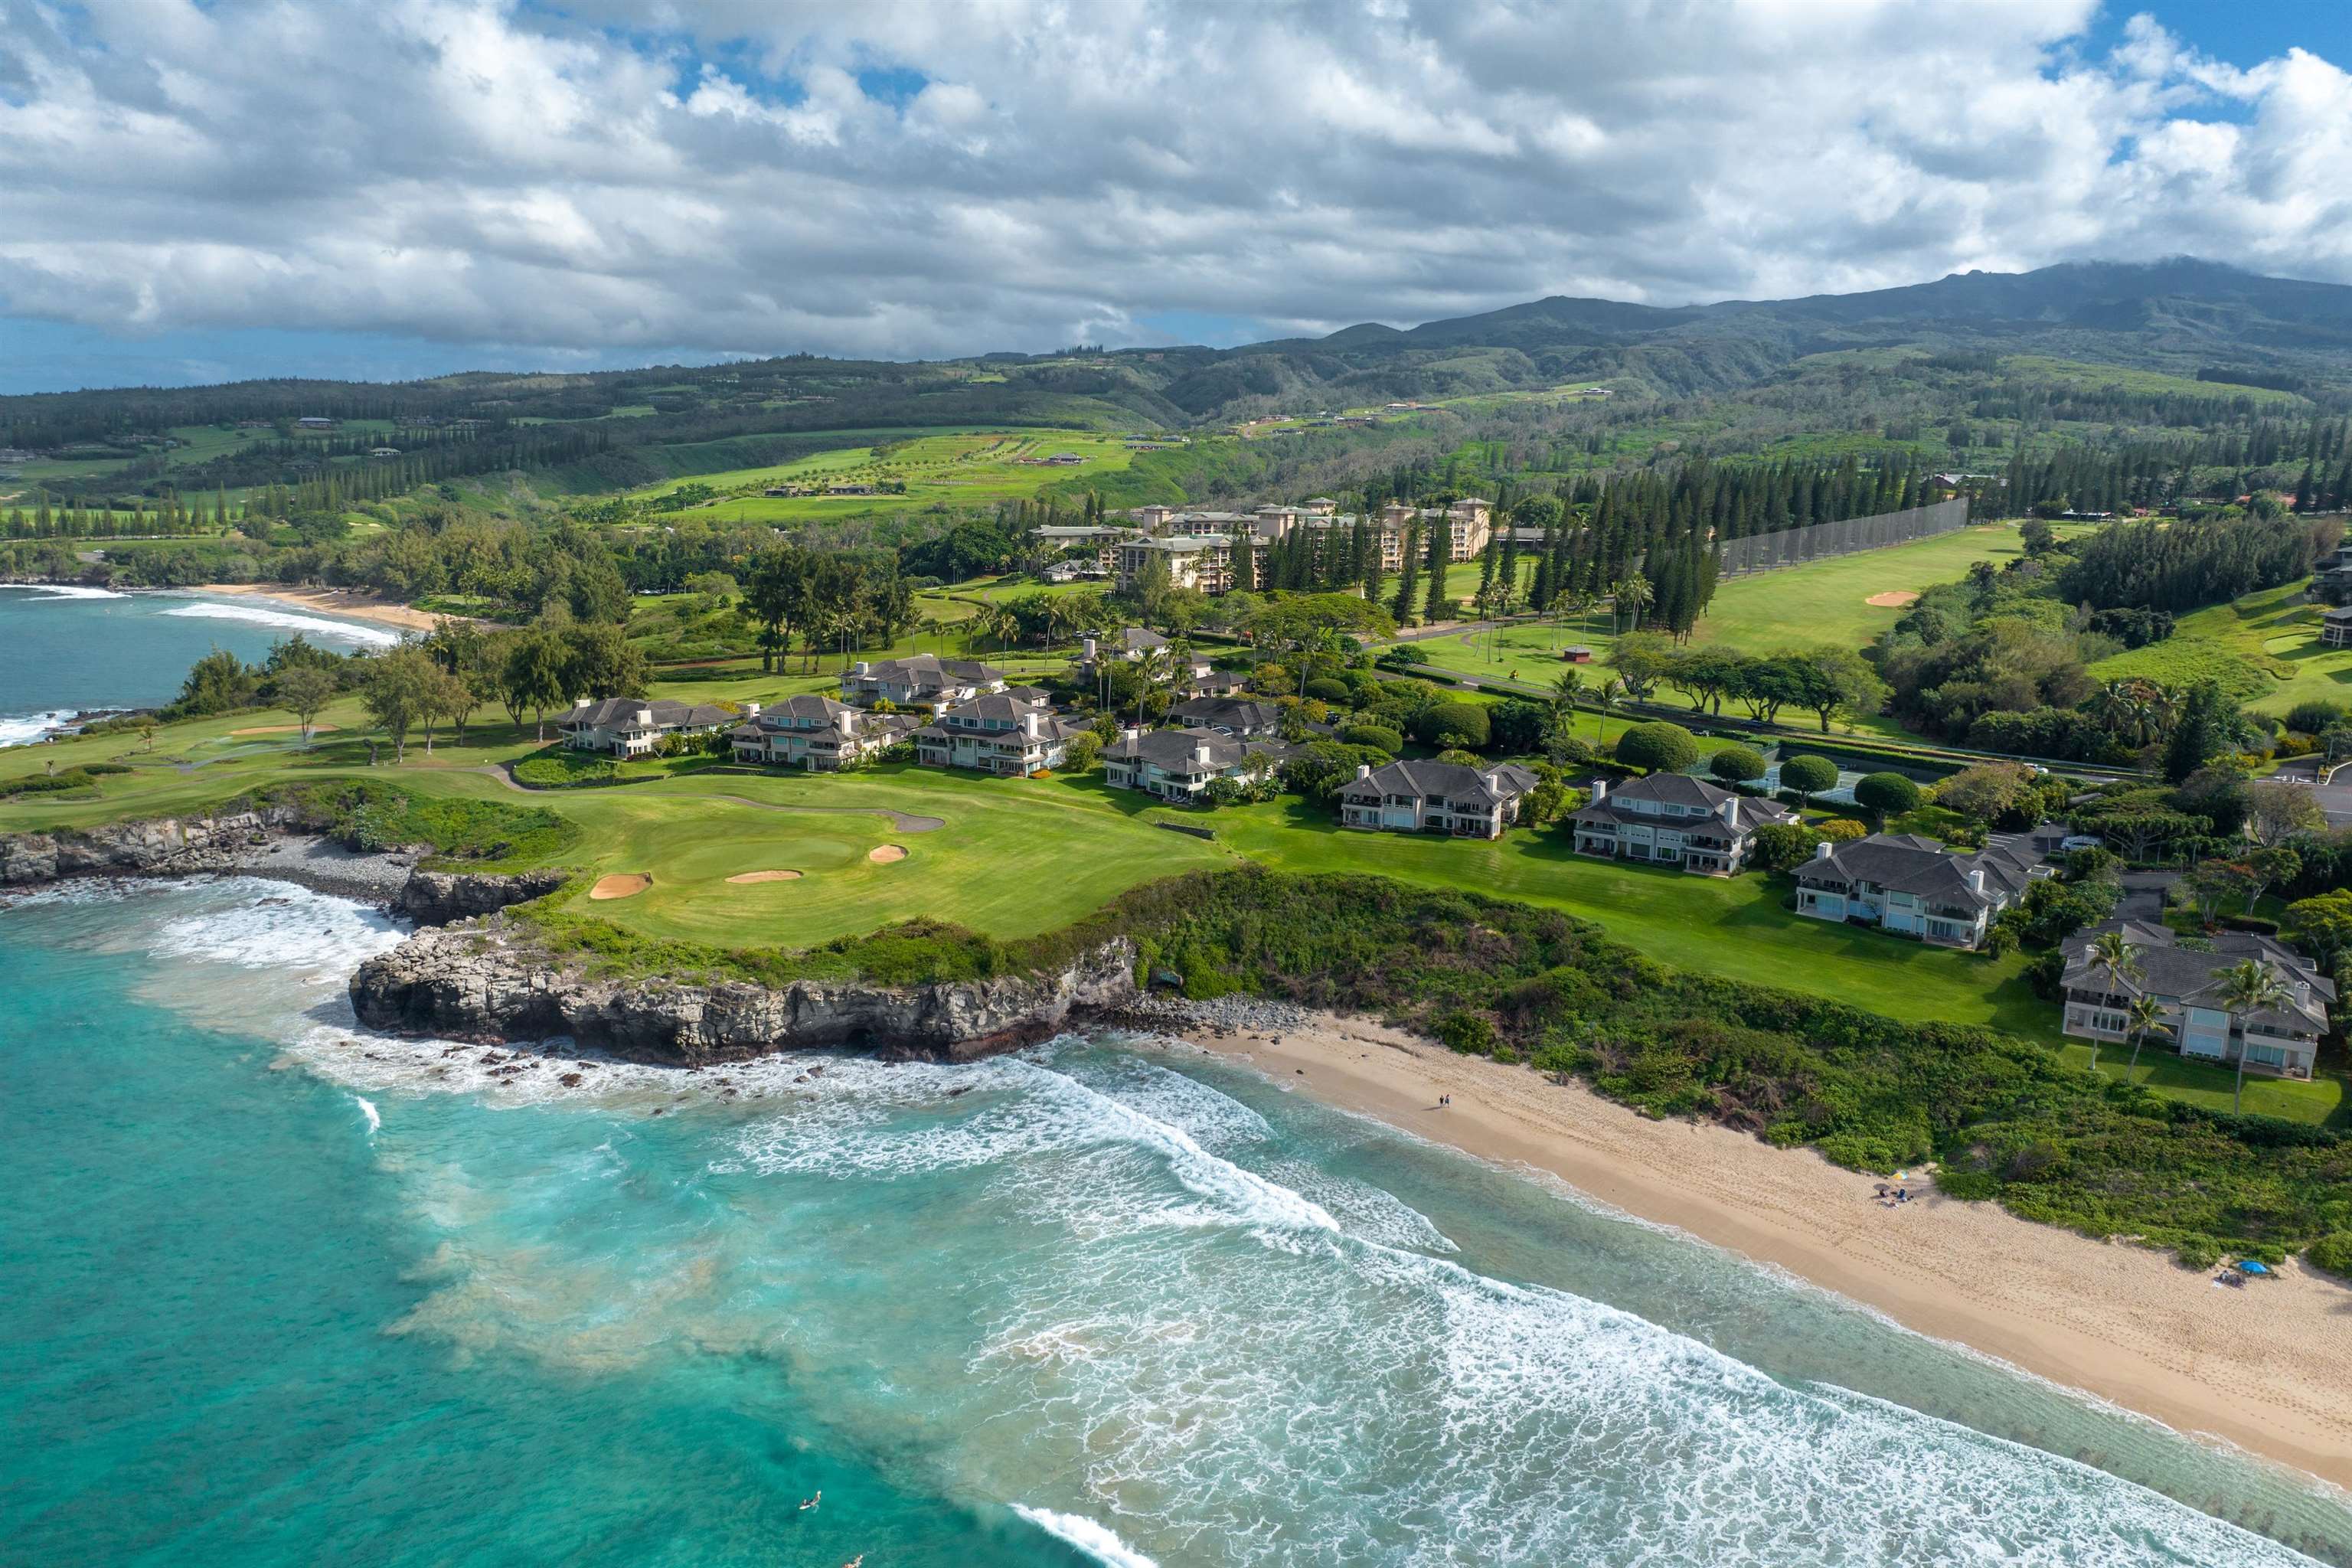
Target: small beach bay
{"points": [[63, 650], [277, 1290]]}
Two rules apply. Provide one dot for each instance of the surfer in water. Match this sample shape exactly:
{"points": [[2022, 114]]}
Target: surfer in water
{"points": [[808, 1503]]}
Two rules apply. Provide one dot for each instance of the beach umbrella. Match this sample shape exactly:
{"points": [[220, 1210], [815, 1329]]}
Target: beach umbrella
{"points": [[2250, 1267]]}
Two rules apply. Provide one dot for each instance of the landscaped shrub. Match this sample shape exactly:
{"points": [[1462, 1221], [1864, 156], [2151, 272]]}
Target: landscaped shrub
{"points": [[1323, 688], [1840, 830], [1781, 846], [1808, 774], [1884, 795], [1657, 747], [561, 768], [1378, 736], [1737, 764], [1463, 725], [2332, 1252]]}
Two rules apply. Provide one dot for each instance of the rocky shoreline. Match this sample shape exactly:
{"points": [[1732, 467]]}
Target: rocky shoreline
{"points": [[490, 981], [273, 842]]}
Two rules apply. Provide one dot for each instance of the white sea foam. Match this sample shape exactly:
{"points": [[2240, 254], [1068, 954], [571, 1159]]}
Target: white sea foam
{"points": [[1102, 1545], [1103, 1309], [23, 729], [314, 625], [71, 590], [367, 1109], [279, 926]]}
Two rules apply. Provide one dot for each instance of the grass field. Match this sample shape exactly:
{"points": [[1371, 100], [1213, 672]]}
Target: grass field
{"points": [[1015, 857], [965, 469], [2146, 383], [1796, 606], [2265, 649]]}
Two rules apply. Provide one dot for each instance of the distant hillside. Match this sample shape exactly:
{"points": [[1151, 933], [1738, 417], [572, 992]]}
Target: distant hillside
{"points": [[2181, 316], [2006, 355]]}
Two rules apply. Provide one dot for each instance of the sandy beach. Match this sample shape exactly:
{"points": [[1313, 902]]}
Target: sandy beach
{"points": [[347, 602], [2264, 1367]]}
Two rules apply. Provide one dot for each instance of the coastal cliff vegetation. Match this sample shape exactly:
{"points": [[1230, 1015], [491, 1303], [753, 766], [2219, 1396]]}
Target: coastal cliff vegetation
{"points": [[2004, 1119]]}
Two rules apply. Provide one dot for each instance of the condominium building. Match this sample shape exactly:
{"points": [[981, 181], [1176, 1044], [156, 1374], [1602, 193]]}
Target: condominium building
{"points": [[2186, 984], [996, 734], [816, 734]]}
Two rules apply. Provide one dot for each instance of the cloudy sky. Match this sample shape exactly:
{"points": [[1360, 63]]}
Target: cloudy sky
{"points": [[195, 191]]}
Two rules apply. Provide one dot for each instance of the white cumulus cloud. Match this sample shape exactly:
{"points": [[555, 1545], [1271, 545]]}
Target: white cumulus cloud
{"points": [[909, 179]]}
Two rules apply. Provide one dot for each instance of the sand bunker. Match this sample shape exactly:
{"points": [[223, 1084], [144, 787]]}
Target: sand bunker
{"points": [[765, 876], [883, 854], [621, 886], [280, 730], [1890, 601]]}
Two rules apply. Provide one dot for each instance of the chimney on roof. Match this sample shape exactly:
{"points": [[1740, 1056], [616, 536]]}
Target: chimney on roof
{"points": [[751, 710], [1032, 724], [1201, 752], [1728, 810], [1131, 734], [1600, 791], [1976, 879], [1823, 850], [862, 667], [1088, 644], [645, 716], [578, 703], [1364, 770], [845, 721]]}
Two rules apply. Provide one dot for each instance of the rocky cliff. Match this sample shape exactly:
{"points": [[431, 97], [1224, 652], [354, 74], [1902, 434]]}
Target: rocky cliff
{"points": [[487, 981], [154, 845], [437, 898]]}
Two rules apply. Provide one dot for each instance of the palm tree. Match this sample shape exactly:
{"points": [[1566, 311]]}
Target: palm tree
{"points": [[1604, 697], [2116, 707], [2143, 1014], [2249, 988], [1564, 690], [2113, 955], [1148, 669], [1633, 593]]}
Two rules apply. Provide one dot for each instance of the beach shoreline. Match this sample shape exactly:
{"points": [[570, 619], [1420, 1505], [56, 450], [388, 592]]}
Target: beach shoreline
{"points": [[2261, 1368], [343, 602]]}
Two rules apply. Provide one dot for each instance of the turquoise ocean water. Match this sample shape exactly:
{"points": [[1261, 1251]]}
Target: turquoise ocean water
{"points": [[274, 1290], [65, 649]]}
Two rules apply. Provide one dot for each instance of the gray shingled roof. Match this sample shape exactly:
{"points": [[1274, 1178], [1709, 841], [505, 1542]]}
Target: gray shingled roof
{"points": [[669, 713], [1748, 813], [1909, 863], [1452, 781], [1228, 712], [2190, 975], [1173, 748], [931, 664]]}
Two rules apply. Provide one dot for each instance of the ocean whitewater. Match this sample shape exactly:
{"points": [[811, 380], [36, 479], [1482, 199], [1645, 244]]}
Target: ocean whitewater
{"points": [[279, 1291]]}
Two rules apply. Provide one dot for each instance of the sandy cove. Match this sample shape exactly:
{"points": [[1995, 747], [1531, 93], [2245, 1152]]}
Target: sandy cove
{"points": [[344, 602], [2264, 1367]]}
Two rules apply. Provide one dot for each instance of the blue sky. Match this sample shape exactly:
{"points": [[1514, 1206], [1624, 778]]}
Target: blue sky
{"points": [[202, 190]]}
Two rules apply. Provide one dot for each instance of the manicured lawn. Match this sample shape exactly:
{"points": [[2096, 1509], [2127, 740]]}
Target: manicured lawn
{"points": [[1015, 857], [961, 469], [1733, 927], [1795, 606], [2265, 649]]}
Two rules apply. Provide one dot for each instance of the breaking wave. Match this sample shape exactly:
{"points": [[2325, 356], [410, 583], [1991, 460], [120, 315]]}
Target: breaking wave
{"points": [[1077, 1278], [23, 729], [313, 626], [1102, 1545], [71, 590]]}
